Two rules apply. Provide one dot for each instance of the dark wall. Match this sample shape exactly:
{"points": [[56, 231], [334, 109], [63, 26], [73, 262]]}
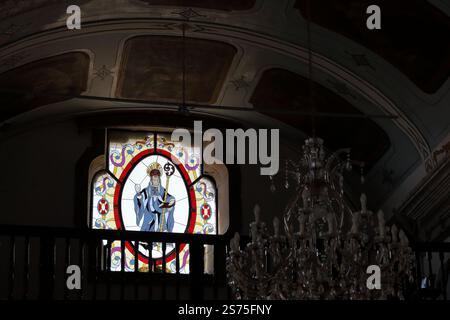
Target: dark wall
{"points": [[45, 176], [37, 185]]}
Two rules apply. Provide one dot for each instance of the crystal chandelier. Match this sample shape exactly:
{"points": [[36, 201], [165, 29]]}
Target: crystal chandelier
{"points": [[327, 256]]}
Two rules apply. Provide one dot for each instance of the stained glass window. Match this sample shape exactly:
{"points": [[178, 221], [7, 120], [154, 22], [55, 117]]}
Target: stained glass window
{"points": [[152, 184]]}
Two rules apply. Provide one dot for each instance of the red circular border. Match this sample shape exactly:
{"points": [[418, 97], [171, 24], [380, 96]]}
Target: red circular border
{"points": [[191, 195]]}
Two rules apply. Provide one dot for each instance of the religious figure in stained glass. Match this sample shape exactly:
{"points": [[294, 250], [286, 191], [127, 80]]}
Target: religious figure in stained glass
{"points": [[152, 184], [154, 204]]}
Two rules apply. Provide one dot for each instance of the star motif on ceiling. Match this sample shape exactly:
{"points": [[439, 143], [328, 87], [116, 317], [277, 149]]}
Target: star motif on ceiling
{"points": [[189, 14], [103, 73], [240, 83]]}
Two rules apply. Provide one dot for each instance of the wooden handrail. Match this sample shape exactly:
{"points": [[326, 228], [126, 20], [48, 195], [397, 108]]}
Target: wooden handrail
{"points": [[86, 233]]}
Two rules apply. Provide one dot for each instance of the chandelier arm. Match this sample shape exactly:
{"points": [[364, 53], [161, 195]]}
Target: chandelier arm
{"points": [[292, 163], [251, 285], [244, 281], [335, 156], [332, 180], [338, 166], [291, 205], [345, 208]]}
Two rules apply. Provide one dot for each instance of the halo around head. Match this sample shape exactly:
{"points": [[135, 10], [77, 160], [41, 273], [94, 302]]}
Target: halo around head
{"points": [[154, 169]]}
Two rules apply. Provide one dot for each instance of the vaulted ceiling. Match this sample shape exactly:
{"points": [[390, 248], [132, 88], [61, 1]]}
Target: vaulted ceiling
{"points": [[230, 5], [414, 36], [284, 95], [248, 54], [43, 82]]}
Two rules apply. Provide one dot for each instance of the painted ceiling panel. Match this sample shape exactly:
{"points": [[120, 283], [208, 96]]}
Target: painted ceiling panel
{"points": [[10, 8], [42, 82], [152, 69], [416, 44], [229, 5], [280, 93]]}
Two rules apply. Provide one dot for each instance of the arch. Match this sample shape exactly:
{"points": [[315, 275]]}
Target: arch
{"points": [[197, 204]]}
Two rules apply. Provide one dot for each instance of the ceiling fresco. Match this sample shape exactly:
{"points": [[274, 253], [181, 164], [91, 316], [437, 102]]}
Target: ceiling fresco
{"points": [[415, 44], [137, 54], [152, 69], [229, 5], [42, 82]]}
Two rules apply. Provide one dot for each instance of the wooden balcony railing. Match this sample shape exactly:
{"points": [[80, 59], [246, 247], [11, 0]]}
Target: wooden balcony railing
{"points": [[432, 270], [33, 263]]}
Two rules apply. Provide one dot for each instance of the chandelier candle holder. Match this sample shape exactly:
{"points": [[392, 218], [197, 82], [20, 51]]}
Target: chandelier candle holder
{"points": [[328, 254]]}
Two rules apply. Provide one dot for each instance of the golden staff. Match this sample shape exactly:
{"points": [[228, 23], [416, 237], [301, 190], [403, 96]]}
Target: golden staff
{"points": [[169, 170]]}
